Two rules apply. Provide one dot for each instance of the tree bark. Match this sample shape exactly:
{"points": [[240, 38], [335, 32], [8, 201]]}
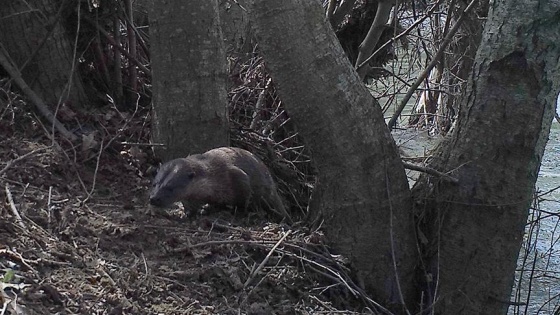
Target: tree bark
{"points": [[238, 38], [476, 227], [33, 35], [189, 76], [362, 192]]}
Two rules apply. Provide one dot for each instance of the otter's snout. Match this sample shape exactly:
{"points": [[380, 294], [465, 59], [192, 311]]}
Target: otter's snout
{"points": [[162, 197]]}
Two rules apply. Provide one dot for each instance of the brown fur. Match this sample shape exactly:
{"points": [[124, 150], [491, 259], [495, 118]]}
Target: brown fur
{"points": [[222, 176]]}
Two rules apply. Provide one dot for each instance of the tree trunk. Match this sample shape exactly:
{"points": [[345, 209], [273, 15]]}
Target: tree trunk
{"points": [[476, 227], [238, 38], [33, 35], [189, 75], [362, 191]]}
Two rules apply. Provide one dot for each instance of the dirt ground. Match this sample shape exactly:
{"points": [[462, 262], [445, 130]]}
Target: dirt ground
{"points": [[77, 237]]}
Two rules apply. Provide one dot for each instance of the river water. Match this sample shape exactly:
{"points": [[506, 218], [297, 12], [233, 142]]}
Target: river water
{"points": [[539, 259]]}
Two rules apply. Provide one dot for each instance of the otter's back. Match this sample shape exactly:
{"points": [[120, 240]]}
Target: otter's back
{"points": [[260, 178]]}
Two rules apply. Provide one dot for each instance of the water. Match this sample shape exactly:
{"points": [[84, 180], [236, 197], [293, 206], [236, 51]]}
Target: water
{"points": [[541, 251]]}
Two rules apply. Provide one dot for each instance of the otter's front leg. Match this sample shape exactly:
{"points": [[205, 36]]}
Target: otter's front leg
{"points": [[193, 208], [241, 188]]}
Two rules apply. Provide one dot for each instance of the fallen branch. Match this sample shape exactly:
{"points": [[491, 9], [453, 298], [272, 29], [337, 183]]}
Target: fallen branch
{"points": [[261, 265], [430, 171], [17, 256], [14, 209], [33, 97], [16, 160]]}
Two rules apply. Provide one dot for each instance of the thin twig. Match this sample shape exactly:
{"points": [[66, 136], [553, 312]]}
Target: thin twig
{"points": [[121, 129], [132, 45], [430, 171], [94, 174], [49, 207], [429, 68], [393, 248], [258, 284], [19, 257], [404, 33], [265, 260], [340, 13], [142, 144], [14, 208], [330, 11], [259, 105], [112, 41], [117, 59], [19, 159], [51, 27]]}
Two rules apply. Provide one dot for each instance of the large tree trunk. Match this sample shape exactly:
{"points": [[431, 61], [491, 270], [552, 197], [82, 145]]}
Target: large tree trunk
{"points": [[189, 75], [362, 192], [476, 227], [33, 35]]}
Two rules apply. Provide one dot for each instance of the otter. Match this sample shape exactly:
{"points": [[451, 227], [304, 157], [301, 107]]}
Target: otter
{"points": [[221, 176]]}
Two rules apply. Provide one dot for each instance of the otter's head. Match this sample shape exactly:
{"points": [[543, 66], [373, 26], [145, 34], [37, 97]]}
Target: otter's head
{"points": [[171, 182]]}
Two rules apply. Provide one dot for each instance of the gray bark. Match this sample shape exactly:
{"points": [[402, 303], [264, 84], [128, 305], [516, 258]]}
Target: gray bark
{"points": [[238, 37], [362, 192], [33, 35], [189, 75], [476, 227]]}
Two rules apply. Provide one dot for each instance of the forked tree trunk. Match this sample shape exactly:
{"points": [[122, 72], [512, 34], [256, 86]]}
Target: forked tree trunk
{"points": [[189, 75], [362, 192], [476, 227]]}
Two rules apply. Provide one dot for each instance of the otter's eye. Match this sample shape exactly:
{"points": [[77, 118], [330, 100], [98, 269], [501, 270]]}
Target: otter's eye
{"points": [[190, 175]]}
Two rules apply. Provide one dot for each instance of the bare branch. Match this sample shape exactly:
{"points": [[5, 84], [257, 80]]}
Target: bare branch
{"points": [[341, 12], [330, 11], [368, 44], [432, 64], [14, 208], [33, 97], [430, 171]]}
